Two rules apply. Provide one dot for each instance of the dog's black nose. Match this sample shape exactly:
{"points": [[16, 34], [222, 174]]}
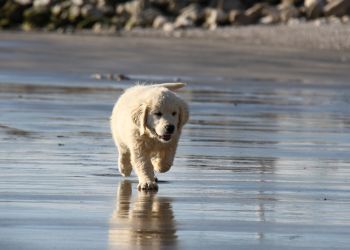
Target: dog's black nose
{"points": [[169, 129]]}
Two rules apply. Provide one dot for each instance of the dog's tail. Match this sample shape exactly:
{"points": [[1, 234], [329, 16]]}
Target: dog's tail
{"points": [[172, 85]]}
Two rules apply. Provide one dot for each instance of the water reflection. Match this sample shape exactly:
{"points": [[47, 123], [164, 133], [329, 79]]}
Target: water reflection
{"points": [[142, 222]]}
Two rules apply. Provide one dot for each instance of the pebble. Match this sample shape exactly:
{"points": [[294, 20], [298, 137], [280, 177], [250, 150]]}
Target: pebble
{"points": [[110, 76]]}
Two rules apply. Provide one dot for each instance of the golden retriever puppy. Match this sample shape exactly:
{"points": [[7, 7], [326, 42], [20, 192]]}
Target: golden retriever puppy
{"points": [[146, 124]]}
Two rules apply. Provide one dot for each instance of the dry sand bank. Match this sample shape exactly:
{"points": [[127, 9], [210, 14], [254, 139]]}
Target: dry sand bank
{"points": [[302, 54]]}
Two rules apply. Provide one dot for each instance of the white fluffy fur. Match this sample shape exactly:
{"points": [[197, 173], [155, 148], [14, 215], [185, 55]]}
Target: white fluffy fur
{"points": [[138, 122]]}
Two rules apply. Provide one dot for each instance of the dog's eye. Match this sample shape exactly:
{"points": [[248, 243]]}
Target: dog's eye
{"points": [[159, 114], [174, 113]]}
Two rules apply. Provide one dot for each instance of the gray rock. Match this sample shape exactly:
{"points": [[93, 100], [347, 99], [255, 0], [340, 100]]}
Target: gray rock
{"points": [[132, 22], [104, 28], [214, 17], [292, 2], [74, 13], [254, 13], [23, 2], [272, 12], [96, 76], [57, 9], [11, 14], [287, 12], [77, 2], [90, 11], [190, 16], [117, 14], [168, 27], [314, 8], [237, 17], [122, 15], [183, 21], [143, 18], [107, 10], [163, 5], [249, 16], [337, 8], [334, 20], [148, 16], [271, 15], [36, 17], [226, 5], [132, 7], [345, 19], [175, 6], [159, 22], [193, 12], [41, 3], [296, 21]]}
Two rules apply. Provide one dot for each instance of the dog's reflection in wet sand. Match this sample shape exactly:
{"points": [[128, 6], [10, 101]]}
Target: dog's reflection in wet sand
{"points": [[142, 222]]}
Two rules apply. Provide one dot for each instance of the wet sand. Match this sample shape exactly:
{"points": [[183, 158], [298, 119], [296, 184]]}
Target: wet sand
{"points": [[264, 162]]}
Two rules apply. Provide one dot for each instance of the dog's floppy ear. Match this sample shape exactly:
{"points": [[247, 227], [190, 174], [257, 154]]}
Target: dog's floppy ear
{"points": [[171, 85], [139, 117], [183, 115]]}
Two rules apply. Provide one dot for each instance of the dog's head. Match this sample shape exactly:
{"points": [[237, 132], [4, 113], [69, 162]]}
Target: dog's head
{"points": [[162, 115]]}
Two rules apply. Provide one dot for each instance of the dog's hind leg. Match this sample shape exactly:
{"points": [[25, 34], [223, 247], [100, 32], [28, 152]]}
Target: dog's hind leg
{"points": [[124, 164]]}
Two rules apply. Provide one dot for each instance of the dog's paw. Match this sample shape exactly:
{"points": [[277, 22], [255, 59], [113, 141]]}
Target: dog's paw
{"points": [[149, 185]]}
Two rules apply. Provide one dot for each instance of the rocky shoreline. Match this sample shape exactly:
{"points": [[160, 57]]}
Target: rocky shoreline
{"points": [[166, 15]]}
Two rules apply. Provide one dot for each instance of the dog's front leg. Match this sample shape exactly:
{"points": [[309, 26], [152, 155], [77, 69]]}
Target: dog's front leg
{"points": [[163, 160], [144, 170]]}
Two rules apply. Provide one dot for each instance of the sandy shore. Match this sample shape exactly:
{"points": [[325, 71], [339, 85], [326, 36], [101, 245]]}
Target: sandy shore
{"points": [[263, 162], [311, 35], [305, 54]]}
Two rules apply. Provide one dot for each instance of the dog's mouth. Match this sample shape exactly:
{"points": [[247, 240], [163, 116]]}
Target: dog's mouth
{"points": [[165, 137]]}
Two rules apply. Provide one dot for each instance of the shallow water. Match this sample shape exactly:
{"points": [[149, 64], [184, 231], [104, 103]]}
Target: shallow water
{"points": [[260, 165]]}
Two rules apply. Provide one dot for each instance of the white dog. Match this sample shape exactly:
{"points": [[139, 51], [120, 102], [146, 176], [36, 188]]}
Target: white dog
{"points": [[146, 124]]}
